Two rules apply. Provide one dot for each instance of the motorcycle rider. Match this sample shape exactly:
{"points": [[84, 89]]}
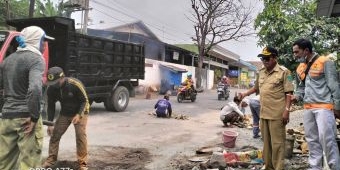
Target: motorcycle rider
{"points": [[225, 82], [188, 82]]}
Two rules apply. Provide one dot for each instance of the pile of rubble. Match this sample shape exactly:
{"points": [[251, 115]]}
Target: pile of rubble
{"points": [[248, 157], [174, 115]]}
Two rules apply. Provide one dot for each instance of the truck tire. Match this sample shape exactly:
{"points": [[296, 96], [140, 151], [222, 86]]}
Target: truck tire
{"points": [[118, 100]]}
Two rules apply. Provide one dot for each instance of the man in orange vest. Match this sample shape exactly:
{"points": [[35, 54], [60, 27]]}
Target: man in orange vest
{"points": [[318, 87]]}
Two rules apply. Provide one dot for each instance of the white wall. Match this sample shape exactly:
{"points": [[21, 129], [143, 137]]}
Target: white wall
{"points": [[211, 79], [152, 75]]}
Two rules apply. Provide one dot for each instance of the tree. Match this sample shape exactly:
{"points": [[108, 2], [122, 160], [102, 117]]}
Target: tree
{"points": [[217, 21], [46, 8], [20, 9], [284, 21], [17, 9]]}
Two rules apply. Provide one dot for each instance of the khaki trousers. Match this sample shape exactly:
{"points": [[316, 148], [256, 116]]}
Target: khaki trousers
{"points": [[274, 137], [60, 127], [16, 150]]}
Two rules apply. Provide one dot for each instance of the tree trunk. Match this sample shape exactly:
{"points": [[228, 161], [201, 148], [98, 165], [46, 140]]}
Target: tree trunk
{"points": [[31, 10], [199, 72]]}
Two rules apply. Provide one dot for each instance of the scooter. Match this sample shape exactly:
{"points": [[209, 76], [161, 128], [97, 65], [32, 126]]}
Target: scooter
{"points": [[222, 91], [186, 94]]}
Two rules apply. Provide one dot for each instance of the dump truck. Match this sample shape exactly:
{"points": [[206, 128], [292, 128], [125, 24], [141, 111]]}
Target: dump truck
{"points": [[109, 69]]}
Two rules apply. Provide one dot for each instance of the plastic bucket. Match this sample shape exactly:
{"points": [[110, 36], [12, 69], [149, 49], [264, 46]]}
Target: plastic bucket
{"points": [[229, 138]]}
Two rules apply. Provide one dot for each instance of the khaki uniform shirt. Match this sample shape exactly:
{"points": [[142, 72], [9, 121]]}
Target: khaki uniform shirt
{"points": [[272, 87]]}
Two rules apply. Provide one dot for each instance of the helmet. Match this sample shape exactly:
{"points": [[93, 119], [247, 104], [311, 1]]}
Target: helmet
{"points": [[189, 74], [224, 77]]}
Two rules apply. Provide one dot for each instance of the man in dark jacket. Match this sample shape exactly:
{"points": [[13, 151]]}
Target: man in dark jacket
{"points": [[75, 106], [163, 107]]}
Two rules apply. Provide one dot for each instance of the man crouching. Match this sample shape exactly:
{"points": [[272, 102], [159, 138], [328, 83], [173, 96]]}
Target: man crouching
{"points": [[231, 113], [163, 107]]}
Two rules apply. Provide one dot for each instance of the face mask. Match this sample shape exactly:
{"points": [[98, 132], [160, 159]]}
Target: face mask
{"points": [[301, 60]]}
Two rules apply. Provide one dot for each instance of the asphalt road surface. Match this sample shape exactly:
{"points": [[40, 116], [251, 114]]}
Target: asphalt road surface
{"points": [[136, 127]]}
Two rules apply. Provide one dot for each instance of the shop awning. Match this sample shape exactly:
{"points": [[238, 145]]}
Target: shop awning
{"points": [[174, 68]]}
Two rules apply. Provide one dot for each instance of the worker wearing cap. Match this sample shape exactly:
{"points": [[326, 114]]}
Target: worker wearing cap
{"points": [[21, 76], [274, 83], [74, 102]]}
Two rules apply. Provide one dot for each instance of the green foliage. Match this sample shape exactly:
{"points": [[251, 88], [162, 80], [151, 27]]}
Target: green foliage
{"points": [[18, 9], [217, 75], [43, 8], [284, 21], [46, 8]]}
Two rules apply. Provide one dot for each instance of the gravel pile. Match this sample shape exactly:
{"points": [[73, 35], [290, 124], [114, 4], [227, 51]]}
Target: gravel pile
{"points": [[295, 119]]}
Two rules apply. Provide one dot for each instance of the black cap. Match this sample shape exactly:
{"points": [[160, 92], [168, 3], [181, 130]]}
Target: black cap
{"points": [[54, 74], [268, 51]]}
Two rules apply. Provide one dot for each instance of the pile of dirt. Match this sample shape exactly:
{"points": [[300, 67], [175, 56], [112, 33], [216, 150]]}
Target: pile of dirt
{"points": [[109, 157], [174, 115]]}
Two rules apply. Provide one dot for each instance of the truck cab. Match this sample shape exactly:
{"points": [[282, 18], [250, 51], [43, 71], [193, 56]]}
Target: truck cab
{"points": [[9, 45]]}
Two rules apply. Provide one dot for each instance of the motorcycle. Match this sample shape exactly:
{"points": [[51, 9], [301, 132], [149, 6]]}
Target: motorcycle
{"points": [[222, 91], [186, 94]]}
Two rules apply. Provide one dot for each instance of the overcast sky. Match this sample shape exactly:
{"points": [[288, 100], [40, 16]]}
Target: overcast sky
{"points": [[168, 19]]}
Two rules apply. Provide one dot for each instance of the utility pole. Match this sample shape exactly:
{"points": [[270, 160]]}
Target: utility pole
{"points": [[31, 10], [7, 13], [7, 10], [86, 17]]}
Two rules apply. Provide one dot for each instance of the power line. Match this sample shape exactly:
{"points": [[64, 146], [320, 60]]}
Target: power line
{"points": [[151, 16], [127, 23], [124, 13], [129, 15]]}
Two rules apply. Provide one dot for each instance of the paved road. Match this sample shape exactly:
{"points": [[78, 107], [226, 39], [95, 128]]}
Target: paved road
{"points": [[163, 137]]}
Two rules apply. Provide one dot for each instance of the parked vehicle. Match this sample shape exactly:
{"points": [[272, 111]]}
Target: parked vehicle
{"points": [[186, 94], [223, 91], [109, 69]]}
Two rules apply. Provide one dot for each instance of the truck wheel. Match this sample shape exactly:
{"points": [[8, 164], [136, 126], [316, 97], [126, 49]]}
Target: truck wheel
{"points": [[118, 100]]}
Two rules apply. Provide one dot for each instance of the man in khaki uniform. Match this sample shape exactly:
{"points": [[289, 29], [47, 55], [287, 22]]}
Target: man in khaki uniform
{"points": [[273, 83]]}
